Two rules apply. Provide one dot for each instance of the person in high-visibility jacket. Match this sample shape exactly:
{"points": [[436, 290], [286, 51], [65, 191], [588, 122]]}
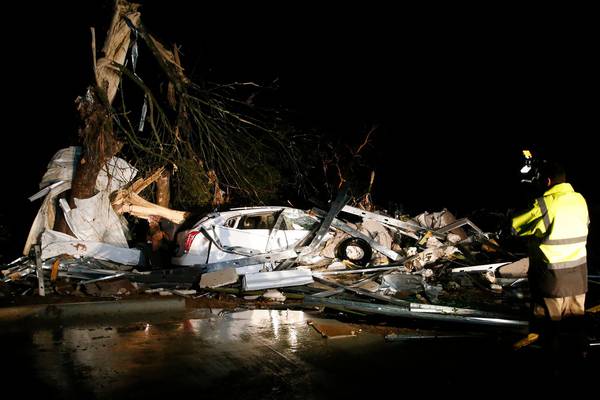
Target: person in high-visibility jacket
{"points": [[557, 226]]}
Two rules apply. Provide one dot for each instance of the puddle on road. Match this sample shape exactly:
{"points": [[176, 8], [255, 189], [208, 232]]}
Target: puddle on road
{"points": [[103, 354], [199, 348], [272, 325]]}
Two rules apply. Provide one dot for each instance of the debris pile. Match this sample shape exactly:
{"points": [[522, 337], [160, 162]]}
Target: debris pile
{"points": [[432, 266]]}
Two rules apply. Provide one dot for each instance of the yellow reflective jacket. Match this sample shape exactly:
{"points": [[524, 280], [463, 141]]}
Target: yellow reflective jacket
{"points": [[558, 223]]}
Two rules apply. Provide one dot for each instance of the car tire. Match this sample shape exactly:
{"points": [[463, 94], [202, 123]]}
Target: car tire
{"points": [[355, 250]]}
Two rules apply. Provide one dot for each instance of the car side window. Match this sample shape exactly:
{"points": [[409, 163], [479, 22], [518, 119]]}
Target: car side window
{"points": [[231, 222], [262, 221]]}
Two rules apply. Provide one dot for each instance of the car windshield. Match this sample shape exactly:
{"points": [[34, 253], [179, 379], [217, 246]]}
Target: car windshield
{"points": [[297, 220]]}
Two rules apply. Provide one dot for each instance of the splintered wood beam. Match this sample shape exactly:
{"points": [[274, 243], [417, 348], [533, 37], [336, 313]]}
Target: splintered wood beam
{"points": [[143, 183], [115, 48], [139, 207], [163, 193]]}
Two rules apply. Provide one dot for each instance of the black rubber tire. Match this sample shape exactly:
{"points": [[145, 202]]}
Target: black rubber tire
{"points": [[341, 253]]}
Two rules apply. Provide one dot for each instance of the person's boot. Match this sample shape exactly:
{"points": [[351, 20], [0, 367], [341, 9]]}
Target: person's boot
{"points": [[526, 341]]}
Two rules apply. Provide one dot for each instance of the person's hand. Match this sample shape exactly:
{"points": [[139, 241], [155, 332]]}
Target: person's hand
{"points": [[505, 231]]}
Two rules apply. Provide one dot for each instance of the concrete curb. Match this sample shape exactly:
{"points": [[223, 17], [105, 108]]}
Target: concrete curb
{"points": [[59, 312]]}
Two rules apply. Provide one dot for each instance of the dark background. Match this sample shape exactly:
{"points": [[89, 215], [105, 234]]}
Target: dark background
{"points": [[455, 93]]}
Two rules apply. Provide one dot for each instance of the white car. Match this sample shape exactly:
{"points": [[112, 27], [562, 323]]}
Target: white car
{"points": [[242, 232]]}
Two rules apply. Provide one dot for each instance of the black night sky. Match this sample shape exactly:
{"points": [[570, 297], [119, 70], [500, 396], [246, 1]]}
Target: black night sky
{"points": [[455, 94]]}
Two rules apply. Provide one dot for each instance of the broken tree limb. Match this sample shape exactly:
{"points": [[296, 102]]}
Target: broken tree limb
{"points": [[167, 61], [115, 48], [163, 193], [129, 201], [135, 205], [142, 183]]}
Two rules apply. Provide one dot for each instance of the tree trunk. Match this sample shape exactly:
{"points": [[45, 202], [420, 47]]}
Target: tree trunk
{"points": [[96, 132], [100, 144]]}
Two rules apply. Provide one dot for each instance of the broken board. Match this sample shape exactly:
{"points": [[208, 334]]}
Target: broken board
{"points": [[333, 329]]}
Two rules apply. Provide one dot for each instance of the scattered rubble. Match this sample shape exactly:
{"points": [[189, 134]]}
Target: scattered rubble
{"points": [[432, 266], [429, 267]]}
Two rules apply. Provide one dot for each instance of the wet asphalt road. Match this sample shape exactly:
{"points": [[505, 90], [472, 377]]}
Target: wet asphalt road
{"points": [[259, 354]]}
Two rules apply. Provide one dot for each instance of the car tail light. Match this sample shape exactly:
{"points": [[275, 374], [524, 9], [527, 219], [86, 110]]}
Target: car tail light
{"points": [[189, 240]]}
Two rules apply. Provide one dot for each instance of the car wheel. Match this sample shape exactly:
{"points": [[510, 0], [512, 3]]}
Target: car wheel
{"points": [[355, 250]]}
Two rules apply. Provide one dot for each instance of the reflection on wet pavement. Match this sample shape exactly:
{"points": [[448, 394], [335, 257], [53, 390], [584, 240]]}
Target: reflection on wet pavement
{"points": [[196, 350], [254, 354]]}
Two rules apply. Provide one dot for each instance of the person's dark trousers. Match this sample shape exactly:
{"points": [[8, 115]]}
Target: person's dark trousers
{"points": [[550, 341], [564, 345], [574, 339]]}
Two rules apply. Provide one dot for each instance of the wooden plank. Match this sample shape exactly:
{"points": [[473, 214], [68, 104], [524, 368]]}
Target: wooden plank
{"points": [[333, 329]]}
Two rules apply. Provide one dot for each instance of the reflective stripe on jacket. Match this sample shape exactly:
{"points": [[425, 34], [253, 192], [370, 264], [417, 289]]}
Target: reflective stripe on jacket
{"points": [[559, 222]]}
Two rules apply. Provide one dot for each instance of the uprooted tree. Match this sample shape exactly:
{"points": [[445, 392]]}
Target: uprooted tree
{"points": [[212, 147], [216, 146]]}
